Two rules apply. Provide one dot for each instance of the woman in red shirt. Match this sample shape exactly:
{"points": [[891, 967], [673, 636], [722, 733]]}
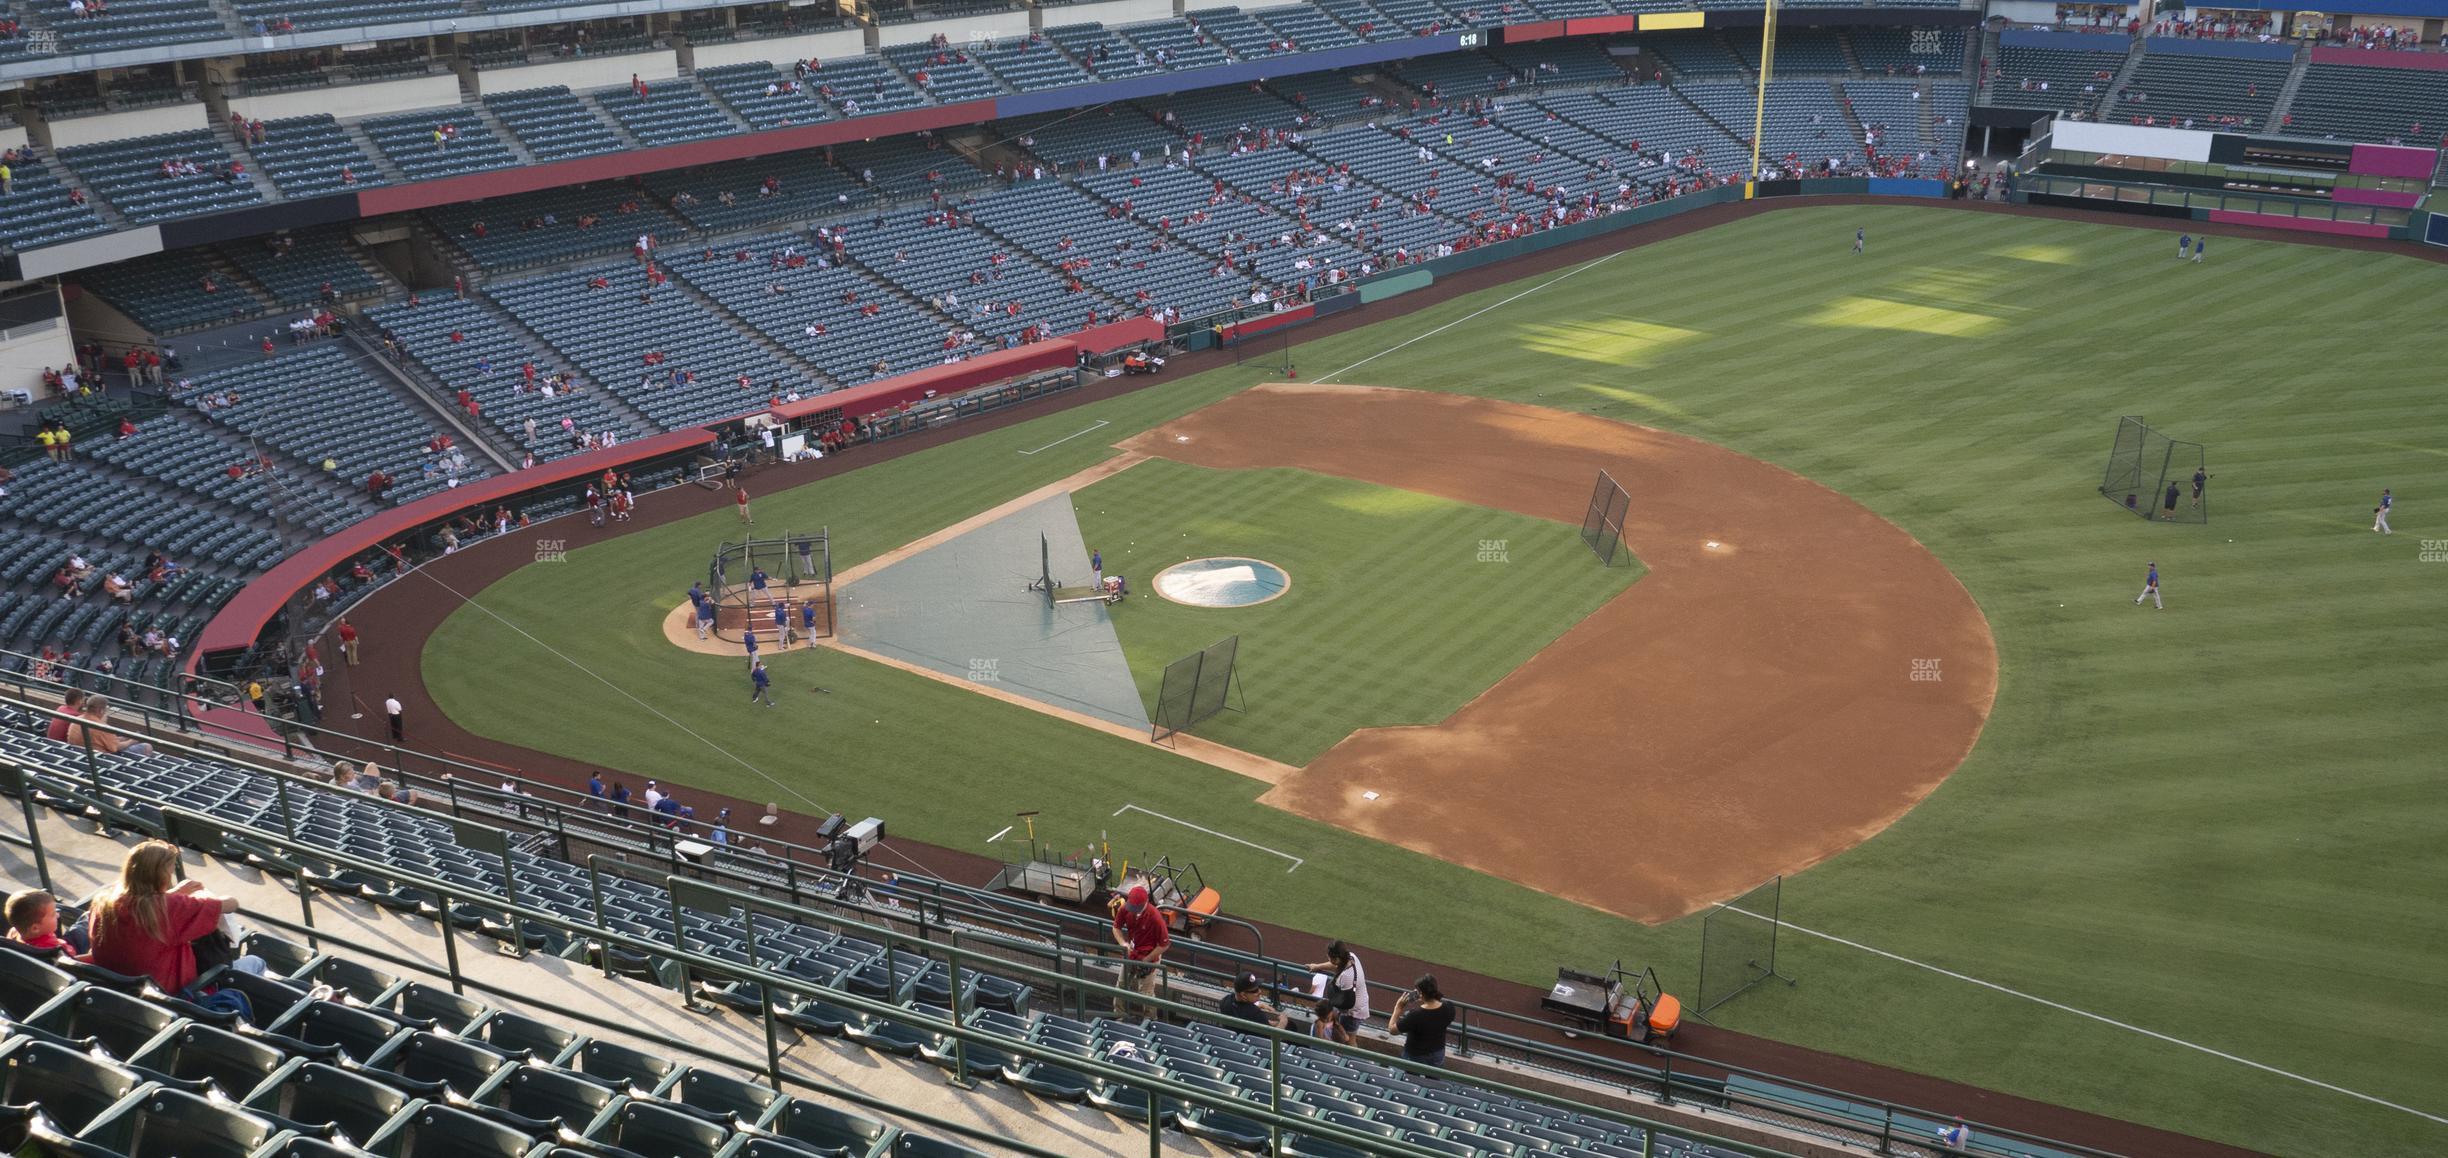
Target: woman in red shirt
{"points": [[146, 924]]}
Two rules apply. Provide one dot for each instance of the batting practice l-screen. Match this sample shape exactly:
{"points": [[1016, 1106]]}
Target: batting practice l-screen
{"points": [[1197, 686], [2155, 476], [1602, 526]]}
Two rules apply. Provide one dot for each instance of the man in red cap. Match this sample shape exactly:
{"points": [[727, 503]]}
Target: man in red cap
{"points": [[1140, 929]]}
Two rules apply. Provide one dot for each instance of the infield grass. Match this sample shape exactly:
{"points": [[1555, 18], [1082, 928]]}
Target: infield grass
{"points": [[1403, 606], [2220, 822]]}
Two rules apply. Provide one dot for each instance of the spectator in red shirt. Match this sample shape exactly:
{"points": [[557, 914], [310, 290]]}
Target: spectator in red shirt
{"points": [[1140, 930], [72, 706], [146, 924], [33, 920]]}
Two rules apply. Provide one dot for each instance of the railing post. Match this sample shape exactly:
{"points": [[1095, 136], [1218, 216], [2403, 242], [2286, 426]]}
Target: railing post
{"points": [[1274, 1092], [765, 1010], [280, 793], [1666, 1087], [450, 945], [595, 891], [306, 908], [960, 1045], [1887, 1130], [42, 864]]}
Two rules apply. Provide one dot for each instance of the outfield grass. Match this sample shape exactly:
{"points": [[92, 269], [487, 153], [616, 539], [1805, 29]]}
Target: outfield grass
{"points": [[1396, 615], [2220, 822]]}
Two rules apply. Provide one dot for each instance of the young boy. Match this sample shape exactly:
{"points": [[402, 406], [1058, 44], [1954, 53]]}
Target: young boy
{"points": [[33, 919]]}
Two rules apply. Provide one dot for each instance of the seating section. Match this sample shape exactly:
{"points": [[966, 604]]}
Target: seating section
{"points": [[2371, 104], [806, 186], [990, 287], [1798, 50], [1103, 246], [1938, 51], [88, 500], [1102, 52], [659, 349], [1239, 33], [297, 266], [1180, 204], [1173, 44], [311, 156], [1364, 20], [37, 211], [1564, 62], [1031, 62], [129, 24], [526, 229], [462, 345], [763, 96], [2208, 91], [2076, 80], [1304, 27], [322, 14], [318, 404], [553, 123], [1070, 140], [1800, 124], [135, 176], [1694, 54], [947, 75], [332, 1045], [672, 111], [165, 292], [1219, 114], [863, 86], [819, 308], [1889, 109], [441, 143], [184, 449], [85, 626]]}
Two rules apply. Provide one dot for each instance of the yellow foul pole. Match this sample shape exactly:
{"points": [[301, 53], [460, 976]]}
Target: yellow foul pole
{"points": [[1759, 108]]}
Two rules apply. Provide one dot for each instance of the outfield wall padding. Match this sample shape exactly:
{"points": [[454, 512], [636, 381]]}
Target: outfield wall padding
{"points": [[1905, 187], [1395, 285], [2299, 224]]}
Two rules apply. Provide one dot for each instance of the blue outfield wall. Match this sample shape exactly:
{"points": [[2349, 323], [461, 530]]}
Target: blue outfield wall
{"points": [[2226, 49], [1905, 187]]}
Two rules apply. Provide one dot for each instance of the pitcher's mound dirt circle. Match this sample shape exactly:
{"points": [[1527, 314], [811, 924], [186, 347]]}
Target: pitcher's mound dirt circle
{"points": [[1792, 675]]}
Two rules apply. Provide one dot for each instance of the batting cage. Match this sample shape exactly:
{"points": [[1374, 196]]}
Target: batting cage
{"points": [[1198, 686], [1602, 527], [798, 576], [1738, 943], [2157, 477]]}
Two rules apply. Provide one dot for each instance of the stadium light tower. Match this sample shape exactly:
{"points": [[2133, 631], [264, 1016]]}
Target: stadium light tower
{"points": [[1759, 106]]}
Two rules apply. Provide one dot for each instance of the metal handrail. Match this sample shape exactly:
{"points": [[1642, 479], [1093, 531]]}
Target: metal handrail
{"points": [[1093, 949], [191, 825]]}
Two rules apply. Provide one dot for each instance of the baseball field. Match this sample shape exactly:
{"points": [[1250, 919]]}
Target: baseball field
{"points": [[2178, 866]]}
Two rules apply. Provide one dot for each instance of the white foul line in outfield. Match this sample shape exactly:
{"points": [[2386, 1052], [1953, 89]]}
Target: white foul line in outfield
{"points": [[2101, 1018], [1100, 424], [1296, 861], [1466, 317]]}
